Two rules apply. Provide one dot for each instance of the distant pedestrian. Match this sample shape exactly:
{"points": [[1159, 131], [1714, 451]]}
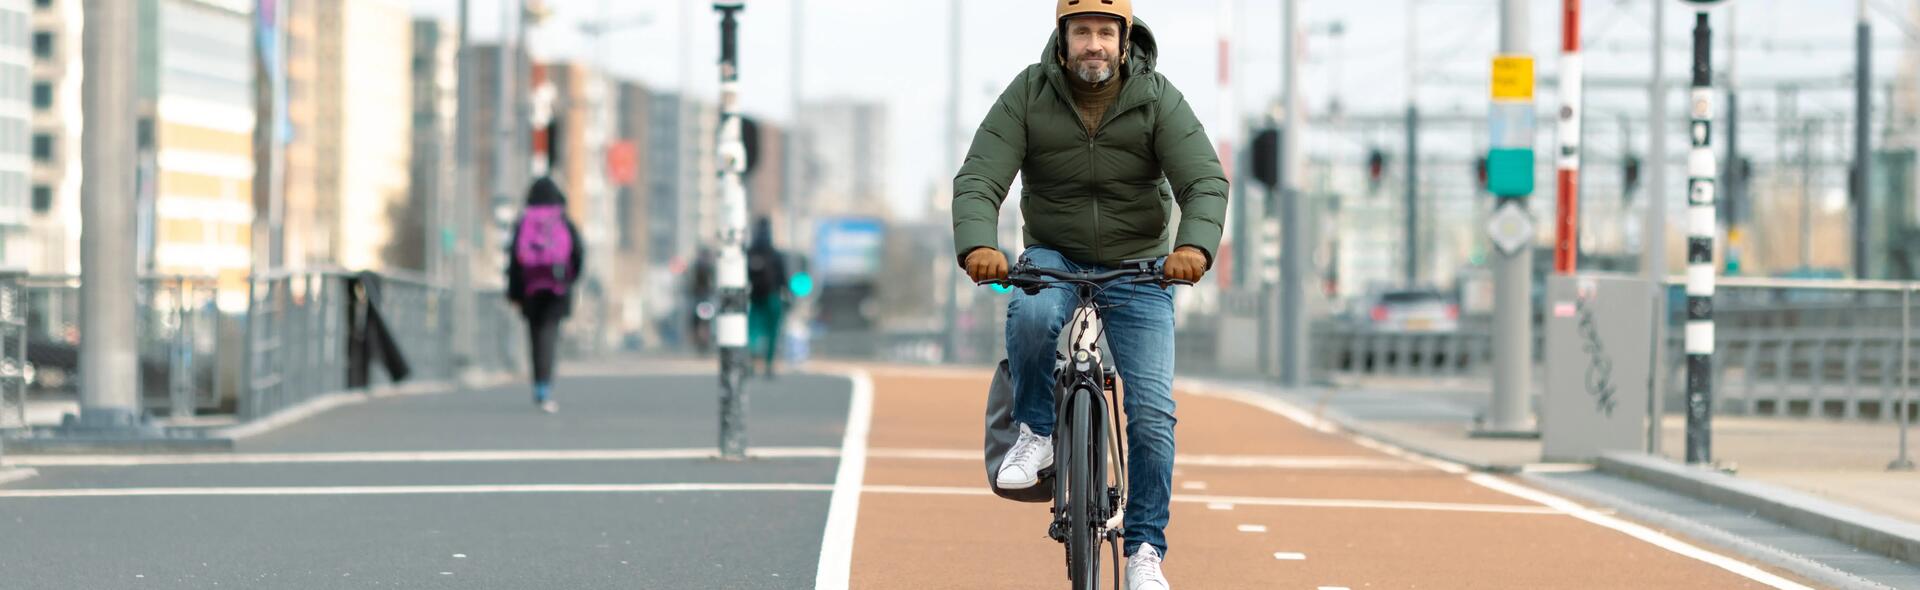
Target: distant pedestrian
{"points": [[544, 265], [767, 285]]}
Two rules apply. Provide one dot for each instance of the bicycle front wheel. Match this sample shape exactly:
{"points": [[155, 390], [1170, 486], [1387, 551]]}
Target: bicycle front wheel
{"points": [[1084, 485]]}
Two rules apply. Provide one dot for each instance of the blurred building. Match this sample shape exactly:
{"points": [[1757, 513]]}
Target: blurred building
{"points": [[349, 71], [435, 103], [197, 90], [581, 124], [847, 149], [52, 244], [16, 117]]}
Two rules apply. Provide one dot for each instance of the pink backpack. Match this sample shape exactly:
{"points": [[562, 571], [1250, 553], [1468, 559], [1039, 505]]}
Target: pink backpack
{"points": [[544, 251]]}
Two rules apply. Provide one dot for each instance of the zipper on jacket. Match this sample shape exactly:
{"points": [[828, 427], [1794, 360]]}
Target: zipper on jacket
{"points": [[1097, 257]]}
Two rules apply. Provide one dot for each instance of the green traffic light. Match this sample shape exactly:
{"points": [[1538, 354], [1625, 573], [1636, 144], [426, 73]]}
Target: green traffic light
{"points": [[801, 284]]}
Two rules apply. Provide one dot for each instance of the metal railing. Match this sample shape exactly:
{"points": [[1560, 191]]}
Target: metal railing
{"points": [[299, 331], [13, 352], [1813, 349], [293, 341], [177, 341]]}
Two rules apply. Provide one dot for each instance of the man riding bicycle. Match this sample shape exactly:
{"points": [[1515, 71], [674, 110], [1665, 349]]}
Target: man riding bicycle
{"points": [[1105, 147]]}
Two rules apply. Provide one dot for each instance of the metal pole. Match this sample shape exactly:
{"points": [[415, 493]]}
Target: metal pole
{"points": [[1293, 254], [1566, 245], [109, 384], [1701, 227], [1412, 230], [1653, 264], [1862, 143], [1903, 462], [790, 169], [951, 161], [1734, 186], [1808, 129], [730, 327], [1512, 320], [462, 223]]}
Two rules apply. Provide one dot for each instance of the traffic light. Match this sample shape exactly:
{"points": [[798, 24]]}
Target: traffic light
{"points": [[1376, 168], [1266, 157], [750, 137], [1631, 170]]}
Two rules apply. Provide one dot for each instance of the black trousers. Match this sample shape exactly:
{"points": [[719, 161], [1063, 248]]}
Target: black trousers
{"points": [[543, 335]]}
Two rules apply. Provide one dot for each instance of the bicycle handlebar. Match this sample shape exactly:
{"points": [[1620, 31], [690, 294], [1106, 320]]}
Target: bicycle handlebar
{"points": [[1032, 279]]}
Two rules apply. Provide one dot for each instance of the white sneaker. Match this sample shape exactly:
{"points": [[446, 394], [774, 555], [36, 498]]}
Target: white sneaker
{"points": [[1143, 570], [1030, 454]]}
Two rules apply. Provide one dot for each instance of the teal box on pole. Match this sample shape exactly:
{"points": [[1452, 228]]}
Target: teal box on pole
{"points": [[1510, 172]]}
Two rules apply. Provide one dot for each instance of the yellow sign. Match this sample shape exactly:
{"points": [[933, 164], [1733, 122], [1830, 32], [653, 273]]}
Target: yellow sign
{"points": [[1513, 77]]}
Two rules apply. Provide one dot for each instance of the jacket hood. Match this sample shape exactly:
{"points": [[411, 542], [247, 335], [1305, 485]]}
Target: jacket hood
{"points": [[1142, 54], [545, 192]]}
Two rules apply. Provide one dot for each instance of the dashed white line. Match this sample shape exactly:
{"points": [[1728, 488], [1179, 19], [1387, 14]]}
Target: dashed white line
{"points": [[1253, 528], [1194, 485], [1290, 556], [1219, 506], [1333, 588]]}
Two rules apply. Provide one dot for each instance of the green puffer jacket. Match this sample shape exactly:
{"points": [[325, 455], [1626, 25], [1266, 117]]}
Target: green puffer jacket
{"points": [[1100, 199]]}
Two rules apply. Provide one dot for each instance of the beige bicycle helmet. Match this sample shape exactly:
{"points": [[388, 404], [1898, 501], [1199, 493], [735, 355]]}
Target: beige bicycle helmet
{"points": [[1120, 9]]}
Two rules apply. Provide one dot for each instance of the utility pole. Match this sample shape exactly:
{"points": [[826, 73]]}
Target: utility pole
{"points": [[1701, 227], [1566, 245], [1653, 264], [109, 383], [1412, 230], [462, 223], [1293, 253], [730, 326], [795, 137], [1510, 164], [955, 278], [1862, 143]]}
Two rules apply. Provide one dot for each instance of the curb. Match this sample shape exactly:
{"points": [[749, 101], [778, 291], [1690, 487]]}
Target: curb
{"points": [[1870, 532]]}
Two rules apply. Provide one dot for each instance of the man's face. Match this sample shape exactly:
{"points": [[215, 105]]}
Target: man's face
{"points": [[1093, 47]]}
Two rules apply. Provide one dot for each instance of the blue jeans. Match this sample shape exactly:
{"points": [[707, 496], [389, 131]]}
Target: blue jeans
{"points": [[1140, 338]]}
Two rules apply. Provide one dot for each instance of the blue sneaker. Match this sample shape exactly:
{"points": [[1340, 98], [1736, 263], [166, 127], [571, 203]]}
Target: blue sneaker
{"points": [[543, 397]]}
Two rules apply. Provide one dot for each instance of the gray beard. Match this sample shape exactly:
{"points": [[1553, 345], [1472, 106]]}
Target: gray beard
{"points": [[1092, 76]]}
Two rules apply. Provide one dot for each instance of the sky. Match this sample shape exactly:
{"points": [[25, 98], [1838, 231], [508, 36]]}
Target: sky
{"points": [[896, 52]]}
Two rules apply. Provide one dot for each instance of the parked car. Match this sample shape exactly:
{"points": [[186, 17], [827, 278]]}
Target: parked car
{"points": [[1414, 310]]}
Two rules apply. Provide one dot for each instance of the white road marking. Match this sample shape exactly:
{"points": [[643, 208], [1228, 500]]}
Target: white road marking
{"points": [[405, 490], [1368, 504], [1194, 485], [414, 457], [843, 510], [1556, 467], [1636, 531], [1333, 588], [1219, 506], [1290, 556], [12, 475], [1253, 528]]}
